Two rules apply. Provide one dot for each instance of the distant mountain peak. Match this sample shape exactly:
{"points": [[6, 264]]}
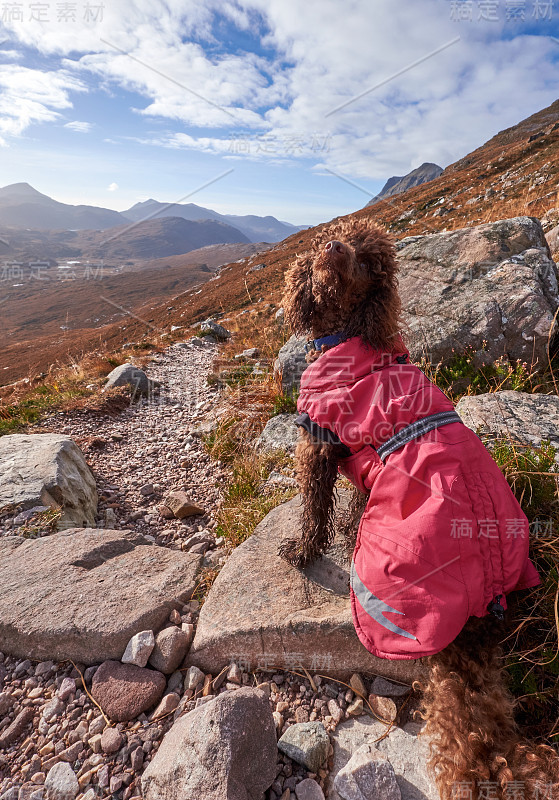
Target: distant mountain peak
{"points": [[22, 189], [401, 183], [22, 206]]}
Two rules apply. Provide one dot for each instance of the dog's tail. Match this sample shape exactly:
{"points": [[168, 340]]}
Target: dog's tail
{"points": [[477, 750]]}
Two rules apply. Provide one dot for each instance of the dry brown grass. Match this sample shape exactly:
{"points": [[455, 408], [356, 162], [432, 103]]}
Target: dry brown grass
{"points": [[67, 387]]}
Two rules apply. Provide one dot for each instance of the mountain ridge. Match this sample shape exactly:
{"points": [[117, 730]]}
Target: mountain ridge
{"points": [[267, 228]]}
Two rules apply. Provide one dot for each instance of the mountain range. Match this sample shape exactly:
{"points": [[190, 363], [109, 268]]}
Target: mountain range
{"points": [[256, 229], [22, 206]]}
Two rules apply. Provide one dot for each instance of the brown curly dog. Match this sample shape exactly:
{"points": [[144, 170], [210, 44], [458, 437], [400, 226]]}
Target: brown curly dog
{"points": [[347, 283]]}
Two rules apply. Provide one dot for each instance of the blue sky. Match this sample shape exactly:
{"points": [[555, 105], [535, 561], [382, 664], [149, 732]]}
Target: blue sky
{"points": [[311, 106]]}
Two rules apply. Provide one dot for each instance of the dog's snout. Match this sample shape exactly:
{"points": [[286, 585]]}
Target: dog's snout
{"points": [[334, 247]]}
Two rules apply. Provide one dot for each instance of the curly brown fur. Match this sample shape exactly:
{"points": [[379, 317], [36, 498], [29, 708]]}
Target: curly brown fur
{"points": [[348, 521], [469, 716], [356, 295], [353, 291], [317, 470]]}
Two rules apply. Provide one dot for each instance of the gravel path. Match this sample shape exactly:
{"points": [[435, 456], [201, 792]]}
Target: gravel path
{"points": [[140, 455]]}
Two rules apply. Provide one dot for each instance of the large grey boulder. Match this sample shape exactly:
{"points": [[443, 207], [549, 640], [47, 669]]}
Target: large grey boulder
{"points": [[495, 283], [47, 469], [522, 417], [407, 752], [290, 363], [280, 433], [223, 750], [82, 594], [263, 612], [129, 375]]}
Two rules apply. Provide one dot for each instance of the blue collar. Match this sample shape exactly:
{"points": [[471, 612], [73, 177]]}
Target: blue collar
{"points": [[329, 341]]}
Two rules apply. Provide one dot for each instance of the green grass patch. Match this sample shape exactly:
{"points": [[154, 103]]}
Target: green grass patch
{"points": [[41, 524], [285, 403], [43, 398], [464, 374], [235, 376]]}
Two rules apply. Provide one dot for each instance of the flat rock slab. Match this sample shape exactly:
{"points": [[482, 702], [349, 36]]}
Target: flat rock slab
{"points": [[83, 593], [47, 469], [493, 283], [407, 752], [526, 418], [262, 612]]}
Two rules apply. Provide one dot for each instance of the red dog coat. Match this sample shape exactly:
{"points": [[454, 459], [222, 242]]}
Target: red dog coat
{"points": [[442, 537]]}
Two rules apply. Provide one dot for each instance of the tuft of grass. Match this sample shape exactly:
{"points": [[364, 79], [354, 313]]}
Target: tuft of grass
{"points": [[206, 578], [227, 440], [41, 524], [38, 401], [532, 473], [463, 374], [245, 504], [65, 387], [285, 403], [532, 646], [235, 376]]}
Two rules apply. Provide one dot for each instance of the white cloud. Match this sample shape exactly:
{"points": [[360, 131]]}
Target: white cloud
{"points": [[79, 127], [317, 56], [31, 96], [112, 187], [182, 83], [10, 54]]}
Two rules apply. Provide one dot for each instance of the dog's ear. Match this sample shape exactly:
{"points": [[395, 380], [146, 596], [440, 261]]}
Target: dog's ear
{"points": [[377, 317], [298, 300], [375, 249]]}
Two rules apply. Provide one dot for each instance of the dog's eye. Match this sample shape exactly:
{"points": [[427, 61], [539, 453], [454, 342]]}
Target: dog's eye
{"points": [[362, 264]]}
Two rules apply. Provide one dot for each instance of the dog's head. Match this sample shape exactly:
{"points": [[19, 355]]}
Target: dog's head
{"points": [[345, 284]]}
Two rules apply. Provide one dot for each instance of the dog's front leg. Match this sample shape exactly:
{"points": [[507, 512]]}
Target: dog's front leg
{"points": [[348, 520], [317, 470]]}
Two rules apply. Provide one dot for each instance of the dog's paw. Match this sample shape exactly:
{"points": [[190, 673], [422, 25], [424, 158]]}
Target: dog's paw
{"points": [[292, 551]]}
